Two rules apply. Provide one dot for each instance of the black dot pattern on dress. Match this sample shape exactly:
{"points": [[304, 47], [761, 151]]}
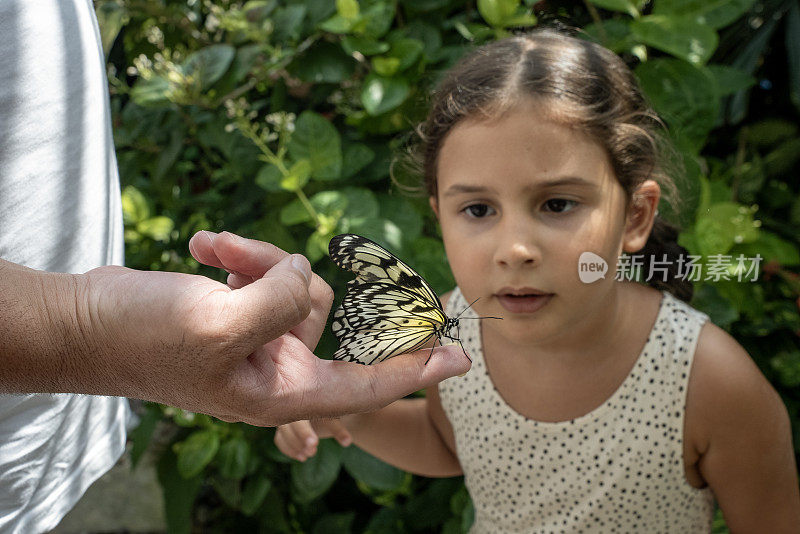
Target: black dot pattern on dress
{"points": [[618, 468]]}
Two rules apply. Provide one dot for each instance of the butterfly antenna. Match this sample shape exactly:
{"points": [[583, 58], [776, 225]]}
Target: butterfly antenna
{"points": [[468, 307]]}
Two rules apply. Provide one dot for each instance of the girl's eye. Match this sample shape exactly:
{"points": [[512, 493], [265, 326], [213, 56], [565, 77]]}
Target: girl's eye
{"points": [[478, 211], [559, 205]]}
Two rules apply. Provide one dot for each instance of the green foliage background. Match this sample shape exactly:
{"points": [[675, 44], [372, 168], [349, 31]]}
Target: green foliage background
{"points": [[279, 121]]}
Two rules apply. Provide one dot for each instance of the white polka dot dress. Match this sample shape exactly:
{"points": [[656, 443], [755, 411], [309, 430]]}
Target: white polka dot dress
{"points": [[618, 468]]}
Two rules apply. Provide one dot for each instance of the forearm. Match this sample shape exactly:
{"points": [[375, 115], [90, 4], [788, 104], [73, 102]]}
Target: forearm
{"points": [[402, 434], [39, 330]]}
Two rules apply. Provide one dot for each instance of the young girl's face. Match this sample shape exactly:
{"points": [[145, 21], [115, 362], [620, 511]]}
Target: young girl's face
{"points": [[519, 199]]}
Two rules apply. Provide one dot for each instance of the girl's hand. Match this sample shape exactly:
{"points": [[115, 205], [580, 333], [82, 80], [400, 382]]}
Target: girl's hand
{"points": [[299, 440]]}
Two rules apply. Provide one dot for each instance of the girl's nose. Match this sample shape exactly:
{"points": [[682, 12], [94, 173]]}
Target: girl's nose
{"points": [[516, 252]]}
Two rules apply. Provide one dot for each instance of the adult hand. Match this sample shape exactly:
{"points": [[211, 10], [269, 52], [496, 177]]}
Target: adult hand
{"points": [[239, 352]]}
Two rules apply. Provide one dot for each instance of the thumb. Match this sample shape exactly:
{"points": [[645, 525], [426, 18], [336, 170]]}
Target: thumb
{"points": [[275, 303], [348, 388]]}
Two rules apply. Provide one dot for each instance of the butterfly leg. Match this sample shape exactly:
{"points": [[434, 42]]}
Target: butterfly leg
{"points": [[434, 346]]}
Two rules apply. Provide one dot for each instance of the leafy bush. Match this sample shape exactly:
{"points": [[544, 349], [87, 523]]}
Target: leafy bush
{"points": [[279, 121]]}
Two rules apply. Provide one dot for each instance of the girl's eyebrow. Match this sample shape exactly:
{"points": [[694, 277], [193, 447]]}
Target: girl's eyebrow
{"points": [[456, 189]]}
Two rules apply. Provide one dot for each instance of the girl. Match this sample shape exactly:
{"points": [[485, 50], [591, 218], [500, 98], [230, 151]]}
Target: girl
{"points": [[594, 406]]}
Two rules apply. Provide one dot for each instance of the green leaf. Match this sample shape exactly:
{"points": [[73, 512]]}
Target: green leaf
{"points": [[403, 214], [323, 63], [111, 17], [713, 13], [361, 205], [196, 452], [380, 94], [152, 92], [385, 521], [233, 457], [386, 66], [356, 157], [288, 22], [708, 300], [520, 20], [377, 229], [730, 80], [373, 472], [363, 45], [269, 178], [179, 494], [768, 132], [158, 228], [771, 248], [424, 511], [253, 493], [426, 33], [684, 95], [614, 34], [722, 225], [141, 435], [623, 6], [336, 24], [787, 364], [682, 37], [319, 10], [208, 64], [134, 206], [312, 478], [495, 12], [317, 140], [329, 203], [376, 19], [299, 175], [348, 9], [783, 158], [335, 524], [407, 51], [317, 245]]}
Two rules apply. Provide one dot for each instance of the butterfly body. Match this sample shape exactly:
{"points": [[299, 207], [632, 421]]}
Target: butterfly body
{"points": [[388, 310]]}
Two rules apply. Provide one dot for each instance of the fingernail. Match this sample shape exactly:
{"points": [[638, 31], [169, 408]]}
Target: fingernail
{"points": [[233, 237], [457, 364], [209, 235], [345, 442], [302, 266]]}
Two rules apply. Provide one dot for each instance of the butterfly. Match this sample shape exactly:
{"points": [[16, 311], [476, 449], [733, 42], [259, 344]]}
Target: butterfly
{"points": [[389, 309]]}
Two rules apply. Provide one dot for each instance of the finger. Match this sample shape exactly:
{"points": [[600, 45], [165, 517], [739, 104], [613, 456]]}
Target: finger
{"points": [[274, 304], [303, 437], [310, 330], [248, 260], [287, 443], [249, 257], [349, 388], [201, 246], [336, 429], [238, 281]]}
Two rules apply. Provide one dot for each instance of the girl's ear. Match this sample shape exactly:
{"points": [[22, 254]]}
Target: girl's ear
{"points": [[434, 206], [641, 214]]}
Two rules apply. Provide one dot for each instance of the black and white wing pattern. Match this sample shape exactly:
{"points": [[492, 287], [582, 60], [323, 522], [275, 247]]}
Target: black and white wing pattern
{"points": [[388, 310]]}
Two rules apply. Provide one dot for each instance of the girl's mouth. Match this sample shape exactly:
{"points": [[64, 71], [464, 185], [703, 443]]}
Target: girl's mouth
{"points": [[523, 303]]}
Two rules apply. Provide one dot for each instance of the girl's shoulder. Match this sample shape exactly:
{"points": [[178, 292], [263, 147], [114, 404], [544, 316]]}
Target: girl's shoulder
{"points": [[727, 397]]}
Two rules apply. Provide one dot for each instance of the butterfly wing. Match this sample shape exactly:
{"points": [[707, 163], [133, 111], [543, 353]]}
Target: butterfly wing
{"points": [[373, 263], [388, 310]]}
